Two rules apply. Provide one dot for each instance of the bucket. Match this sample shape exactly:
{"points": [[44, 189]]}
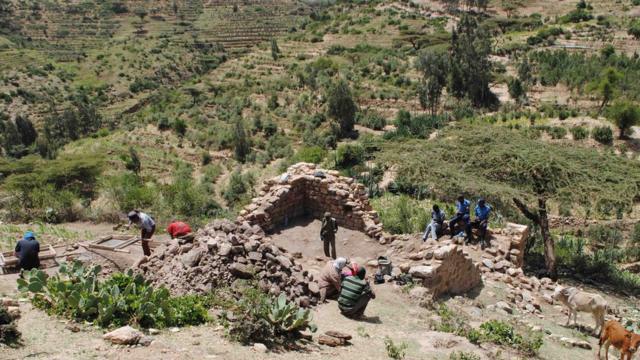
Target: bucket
{"points": [[384, 265]]}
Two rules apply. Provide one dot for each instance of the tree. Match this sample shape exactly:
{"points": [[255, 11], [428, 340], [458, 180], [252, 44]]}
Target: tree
{"points": [[434, 68], [525, 72], [341, 106], [141, 13], [132, 162], [606, 85], [624, 114], [469, 64], [509, 6], [26, 130], [194, 92], [241, 145], [275, 50], [516, 90]]}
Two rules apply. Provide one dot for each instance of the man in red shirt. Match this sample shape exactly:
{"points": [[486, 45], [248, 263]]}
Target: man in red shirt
{"points": [[179, 229]]}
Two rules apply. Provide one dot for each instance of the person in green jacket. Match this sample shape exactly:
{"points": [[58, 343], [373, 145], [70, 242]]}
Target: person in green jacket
{"points": [[328, 235], [355, 294]]}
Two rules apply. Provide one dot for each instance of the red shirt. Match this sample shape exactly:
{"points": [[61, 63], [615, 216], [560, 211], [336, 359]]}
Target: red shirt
{"points": [[178, 228]]}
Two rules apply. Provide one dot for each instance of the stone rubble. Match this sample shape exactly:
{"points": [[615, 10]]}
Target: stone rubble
{"points": [[224, 251]]}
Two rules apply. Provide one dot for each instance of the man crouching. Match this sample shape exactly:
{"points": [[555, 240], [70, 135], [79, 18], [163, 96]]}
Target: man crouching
{"points": [[355, 294]]}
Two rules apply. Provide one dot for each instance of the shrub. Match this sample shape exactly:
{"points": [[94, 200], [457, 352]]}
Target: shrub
{"points": [[348, 155], [128, 191], [238, 189], [463, 356], [255, 317], [557, 132], [579, 132], [140, 84], [310, 154], [602, 134], [396, 352], [635, 235], [604, 235], [180, 127], [501, 333], [371, 120], [415, 126], [77, 293]]}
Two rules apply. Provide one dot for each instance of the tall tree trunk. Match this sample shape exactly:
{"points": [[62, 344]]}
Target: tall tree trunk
{"points": [[549, 244], [541, 218]]}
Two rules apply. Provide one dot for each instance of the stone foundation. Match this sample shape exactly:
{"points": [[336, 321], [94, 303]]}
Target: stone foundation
{"points": [[305, 190]]}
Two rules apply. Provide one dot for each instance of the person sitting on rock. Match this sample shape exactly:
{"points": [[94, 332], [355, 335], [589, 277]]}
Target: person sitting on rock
{"points": [[481, 222], [355, 295], [329, 281], [147, 226], [27, 251], [328, 235], [435, 226], [180, 230], [462, 215]]}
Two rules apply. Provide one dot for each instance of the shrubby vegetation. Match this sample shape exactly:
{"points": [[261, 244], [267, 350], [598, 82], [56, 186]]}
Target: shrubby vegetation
{"points": [[77, 293]]}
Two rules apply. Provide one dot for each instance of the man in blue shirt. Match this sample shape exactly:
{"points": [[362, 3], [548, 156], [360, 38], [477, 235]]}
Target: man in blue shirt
{"points": [[481, 221], [27, 251], [462, 215]]}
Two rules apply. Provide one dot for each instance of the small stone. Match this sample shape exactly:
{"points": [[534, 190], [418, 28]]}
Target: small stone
{"points": [[314, 288], [487, 263], [153, 331], [145, 341], [260, 348], [422, 272], [174, 329], [125, 335], [504, 306]]}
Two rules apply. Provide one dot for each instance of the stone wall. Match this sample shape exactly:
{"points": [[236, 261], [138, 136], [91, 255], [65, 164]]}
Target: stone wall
{"points": [[511, 241], [305, 190], [446, 269]]}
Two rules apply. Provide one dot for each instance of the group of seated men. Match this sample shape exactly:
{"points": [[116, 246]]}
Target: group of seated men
{"points": [[346, 280], [462, 217]]}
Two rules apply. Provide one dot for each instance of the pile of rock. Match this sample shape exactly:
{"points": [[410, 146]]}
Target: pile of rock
{"points": [[224, 251], [307, 190], [525, 292], [444, 269]]}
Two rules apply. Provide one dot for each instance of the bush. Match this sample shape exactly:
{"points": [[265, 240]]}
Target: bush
{"points": [[604, 235], [396, 352], [501, 333], [77, 293], [255, 317], [140, 84], [602, 134], [557, 132], [415, 126], [463, 356], [310, 154], [128, 191], [635, 235], [579, 133], [349, 155], [402, 214], [180, 127], [238, 189], [371, 120]]}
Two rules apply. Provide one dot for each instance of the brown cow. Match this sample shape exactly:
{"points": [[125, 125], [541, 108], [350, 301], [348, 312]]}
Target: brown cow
{"points": [[615, 334]]}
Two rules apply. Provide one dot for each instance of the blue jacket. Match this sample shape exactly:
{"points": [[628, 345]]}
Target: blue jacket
{"points": [[482, 212], [27, 251], [463, 208]]}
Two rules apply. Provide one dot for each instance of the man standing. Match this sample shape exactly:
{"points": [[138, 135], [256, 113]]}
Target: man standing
{"points": [[27, 251], [328, 235], [436, 224], [355, 295], [481, 221], [181, 230], [147, 226], [462, 215]]}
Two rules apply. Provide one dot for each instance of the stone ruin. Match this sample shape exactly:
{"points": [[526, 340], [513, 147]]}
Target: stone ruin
{"points": [[450, 271], [224, 251], [305, 190]]}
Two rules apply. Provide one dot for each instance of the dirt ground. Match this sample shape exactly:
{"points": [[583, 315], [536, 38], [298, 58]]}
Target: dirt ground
{"points": [[392, 314]]}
